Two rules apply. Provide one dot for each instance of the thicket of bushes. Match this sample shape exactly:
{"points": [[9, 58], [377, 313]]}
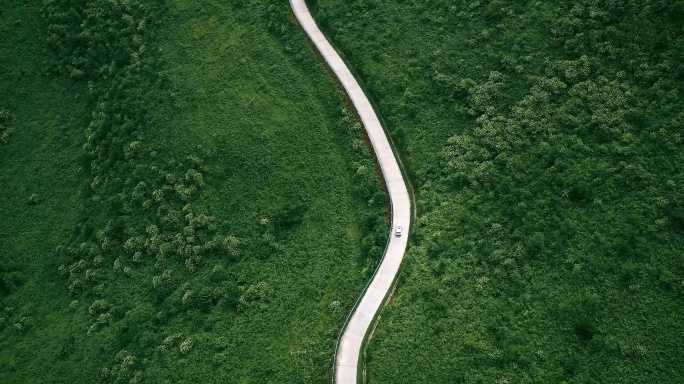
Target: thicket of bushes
{"points": [[550, 234]]}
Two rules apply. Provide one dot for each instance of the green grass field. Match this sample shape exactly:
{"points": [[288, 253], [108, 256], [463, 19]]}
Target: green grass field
{"points": [[39, 188], [545, 141], [185, 199]]}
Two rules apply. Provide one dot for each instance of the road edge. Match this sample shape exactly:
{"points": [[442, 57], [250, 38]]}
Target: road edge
{"points": [[407, 184]]}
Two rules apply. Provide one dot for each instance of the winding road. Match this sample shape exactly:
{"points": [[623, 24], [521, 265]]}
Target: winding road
{"points": [[346, 368]]}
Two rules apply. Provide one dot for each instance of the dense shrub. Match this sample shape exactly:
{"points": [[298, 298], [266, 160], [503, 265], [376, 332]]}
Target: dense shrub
{"points": [[546, 144]]}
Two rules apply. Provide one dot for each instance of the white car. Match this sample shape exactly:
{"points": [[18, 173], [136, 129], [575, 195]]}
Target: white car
{"points": [[398, 231]]}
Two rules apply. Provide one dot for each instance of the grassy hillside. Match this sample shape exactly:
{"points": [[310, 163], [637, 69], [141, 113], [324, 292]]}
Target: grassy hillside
{"points": [[546, 145], [41, 127], [188, 198]]}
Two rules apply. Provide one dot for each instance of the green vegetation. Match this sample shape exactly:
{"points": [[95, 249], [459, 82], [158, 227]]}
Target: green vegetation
{"points": [[185, 196], [39, 181], [545, 140]]}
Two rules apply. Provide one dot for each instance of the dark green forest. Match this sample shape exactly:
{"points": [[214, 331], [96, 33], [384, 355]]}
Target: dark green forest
{"points": [[545, 143], [185, 195]]}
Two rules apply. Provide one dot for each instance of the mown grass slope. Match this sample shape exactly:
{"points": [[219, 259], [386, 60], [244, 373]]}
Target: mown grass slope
{"points": [[188, 198], [546, 144]]}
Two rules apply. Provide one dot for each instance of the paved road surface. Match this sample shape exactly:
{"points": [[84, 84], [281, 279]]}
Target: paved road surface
{"points": [[349, 347]]}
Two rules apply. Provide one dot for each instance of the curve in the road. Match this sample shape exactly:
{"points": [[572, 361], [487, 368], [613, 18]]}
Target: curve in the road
{"points": [[346, 369]]}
